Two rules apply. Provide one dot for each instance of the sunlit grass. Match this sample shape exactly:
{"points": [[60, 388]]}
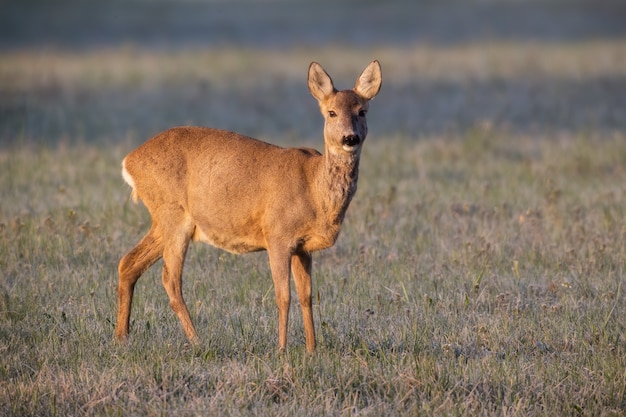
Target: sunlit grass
{"points": [[480, 274], [132, 67]]}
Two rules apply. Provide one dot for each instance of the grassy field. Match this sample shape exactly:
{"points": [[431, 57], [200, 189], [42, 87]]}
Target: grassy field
{"points": [[480, 270]]}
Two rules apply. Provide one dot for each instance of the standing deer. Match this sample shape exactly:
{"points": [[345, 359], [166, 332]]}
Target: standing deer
{"points": [[244, 195]]}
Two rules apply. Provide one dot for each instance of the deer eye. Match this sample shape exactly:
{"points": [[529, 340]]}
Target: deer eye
{"points": [[331, 113], [362, 113]]}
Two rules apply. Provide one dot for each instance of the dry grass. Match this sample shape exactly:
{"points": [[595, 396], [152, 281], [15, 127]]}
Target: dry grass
{"points": [[132, 67], [481, 274], [115, 94]]}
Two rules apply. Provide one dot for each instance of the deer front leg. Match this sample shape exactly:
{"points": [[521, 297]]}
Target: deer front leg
{"points": [[301, 267], [280, 264]]}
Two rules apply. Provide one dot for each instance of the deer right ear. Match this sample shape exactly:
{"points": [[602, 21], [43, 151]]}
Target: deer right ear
{"points": [[320, 83]]}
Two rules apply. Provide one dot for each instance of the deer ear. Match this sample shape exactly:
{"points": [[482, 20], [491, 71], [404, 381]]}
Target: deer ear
{"points": [[320, 83], [369, 82]]}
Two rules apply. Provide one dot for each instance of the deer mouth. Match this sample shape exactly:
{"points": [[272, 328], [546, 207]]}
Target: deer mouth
{"points": [[350, 143]]}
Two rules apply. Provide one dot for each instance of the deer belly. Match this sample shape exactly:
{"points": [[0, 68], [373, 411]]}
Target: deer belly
{"points": [[229, 242]]}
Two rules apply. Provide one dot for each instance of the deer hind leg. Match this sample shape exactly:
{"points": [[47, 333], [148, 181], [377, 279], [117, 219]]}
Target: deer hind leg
{"points": [[280, 263], [130, 268], [301, 267], [174, 253]]}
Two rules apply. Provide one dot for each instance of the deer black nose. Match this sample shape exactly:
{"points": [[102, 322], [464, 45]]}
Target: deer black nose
{"points": [[351, 140]]}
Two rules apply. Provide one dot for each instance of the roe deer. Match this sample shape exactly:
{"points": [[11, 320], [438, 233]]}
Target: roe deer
{"points": [[243, 195]]}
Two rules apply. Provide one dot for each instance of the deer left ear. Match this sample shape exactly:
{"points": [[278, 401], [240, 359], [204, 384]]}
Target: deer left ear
{"points": [[369, 82]]}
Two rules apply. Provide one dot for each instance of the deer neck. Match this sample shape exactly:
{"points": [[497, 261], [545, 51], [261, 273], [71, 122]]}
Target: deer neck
{"points": [[337, 182]]}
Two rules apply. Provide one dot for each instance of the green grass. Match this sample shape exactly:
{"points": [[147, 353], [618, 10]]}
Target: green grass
{"points": [[480, 270]]}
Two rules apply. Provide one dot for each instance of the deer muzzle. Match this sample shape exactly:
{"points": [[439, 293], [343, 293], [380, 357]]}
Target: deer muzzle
{"points": [[349, 142]]}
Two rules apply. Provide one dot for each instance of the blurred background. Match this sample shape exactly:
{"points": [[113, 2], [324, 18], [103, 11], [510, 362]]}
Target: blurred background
{"points": [[111, 71]]}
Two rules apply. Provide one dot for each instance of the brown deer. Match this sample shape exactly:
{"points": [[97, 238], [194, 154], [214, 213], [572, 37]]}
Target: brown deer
{"points": [[243, 195]]}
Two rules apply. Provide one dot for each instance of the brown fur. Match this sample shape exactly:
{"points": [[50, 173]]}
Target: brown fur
{"points": [[242, 195]]}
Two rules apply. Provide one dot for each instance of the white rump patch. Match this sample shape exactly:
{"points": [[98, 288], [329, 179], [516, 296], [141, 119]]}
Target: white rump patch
{"points": [[129, 180]]}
